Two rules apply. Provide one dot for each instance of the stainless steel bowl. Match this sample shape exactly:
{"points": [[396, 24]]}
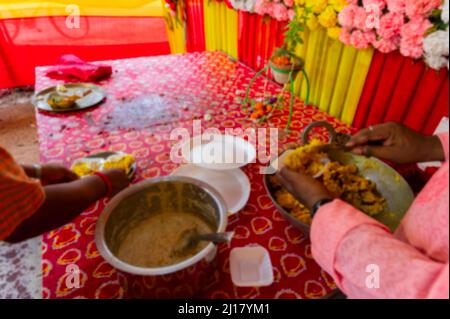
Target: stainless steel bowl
{"points": [[390, 184], [158, 195]]}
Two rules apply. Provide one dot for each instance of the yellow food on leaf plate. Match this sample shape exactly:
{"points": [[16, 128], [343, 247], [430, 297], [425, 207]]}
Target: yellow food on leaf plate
{"points": [[89, 165], [119, 161]]}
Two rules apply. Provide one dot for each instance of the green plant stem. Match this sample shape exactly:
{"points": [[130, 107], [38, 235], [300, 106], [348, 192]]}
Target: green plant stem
{"points": [[291, 104], [247, 92], [307, 86]]}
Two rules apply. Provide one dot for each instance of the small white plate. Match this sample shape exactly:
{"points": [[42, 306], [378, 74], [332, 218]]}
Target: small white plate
{"points": [[219, 152], [233, 185], [251, 267]]}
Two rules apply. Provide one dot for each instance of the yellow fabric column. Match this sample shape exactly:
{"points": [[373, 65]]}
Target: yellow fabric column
{"points": [[232, 32], [331, 70], [311, 58], [321, 64], [217, 26], [208, 17], [175, 32], [223, 30], [221, 27], [342, 81], [360, 70]]}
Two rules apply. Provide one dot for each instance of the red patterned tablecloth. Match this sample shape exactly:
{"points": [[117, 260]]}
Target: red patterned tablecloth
{"points": [[147, 98]]}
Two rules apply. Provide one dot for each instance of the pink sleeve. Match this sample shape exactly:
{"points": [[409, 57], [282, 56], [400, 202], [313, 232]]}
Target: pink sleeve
{"points": [[366, 261], [444, 140]]}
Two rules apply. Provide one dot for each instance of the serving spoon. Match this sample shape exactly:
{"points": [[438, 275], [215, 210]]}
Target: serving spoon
{"points": [[190, 238]]}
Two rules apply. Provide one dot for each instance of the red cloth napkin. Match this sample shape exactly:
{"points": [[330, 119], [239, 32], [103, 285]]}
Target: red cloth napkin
{"points": [[72, 68]]}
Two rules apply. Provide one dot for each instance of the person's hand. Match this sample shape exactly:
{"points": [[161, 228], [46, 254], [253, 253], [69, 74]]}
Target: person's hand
{"points": [[396, 143], [56, 174], [303, 187], [118, 178]]}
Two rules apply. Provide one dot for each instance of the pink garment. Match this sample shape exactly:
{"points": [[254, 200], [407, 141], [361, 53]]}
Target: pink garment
{"points": [[71, 68], [412, 263]]}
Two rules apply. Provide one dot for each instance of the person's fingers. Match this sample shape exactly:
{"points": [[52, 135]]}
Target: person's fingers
{"points": [[285, 183], [359, 138], [384, 152], [374, 133], [290, 175]]}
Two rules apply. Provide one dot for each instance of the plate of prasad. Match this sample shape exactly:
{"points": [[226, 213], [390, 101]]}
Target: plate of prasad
{"points": [[97, 162], [69, 97], [368, 184]]}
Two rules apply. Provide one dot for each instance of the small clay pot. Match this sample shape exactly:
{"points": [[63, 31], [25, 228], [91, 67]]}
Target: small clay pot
{"points": [[281, 72]]}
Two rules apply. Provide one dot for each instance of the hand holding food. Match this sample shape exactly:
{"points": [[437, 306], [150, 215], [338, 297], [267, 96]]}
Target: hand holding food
{"points": [[303, 187], [397, 143], [309, 176]]}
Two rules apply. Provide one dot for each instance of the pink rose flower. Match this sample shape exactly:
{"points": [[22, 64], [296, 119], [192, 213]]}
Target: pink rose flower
{"points": [[361, 20], [280, 12], [391, 24], [412, 34], [411, 49], [344, 36], [398, 6], [421, 8], [347, 15], [289, 3], [415, 29], [362, 40], [269, 8], [380, 4], [260, 7], [386, 45]]}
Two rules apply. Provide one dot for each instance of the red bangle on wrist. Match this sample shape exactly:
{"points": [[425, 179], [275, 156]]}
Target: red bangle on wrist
{"points": [[107, 182]]}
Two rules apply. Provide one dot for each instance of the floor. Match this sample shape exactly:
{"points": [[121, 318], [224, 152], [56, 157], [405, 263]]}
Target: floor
{"points": [[20, 275]]}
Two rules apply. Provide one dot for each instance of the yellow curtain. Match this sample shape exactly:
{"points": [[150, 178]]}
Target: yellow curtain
{"points": [[175, 30], [337, 74], [221, 27], [33, 8]]}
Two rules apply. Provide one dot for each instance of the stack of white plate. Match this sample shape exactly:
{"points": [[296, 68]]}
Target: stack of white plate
{"points": [[216, 160]]}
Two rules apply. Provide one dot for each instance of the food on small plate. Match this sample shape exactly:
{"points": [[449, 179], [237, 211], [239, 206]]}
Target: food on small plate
{"points": [[90, 165], [343, 181], [119, 161], [86, 166], [66, 98], [59, 101], [61, 88]]}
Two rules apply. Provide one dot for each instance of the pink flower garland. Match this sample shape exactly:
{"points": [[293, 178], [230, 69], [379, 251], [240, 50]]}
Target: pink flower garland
{"points": [[387, 25], [281, 10]]}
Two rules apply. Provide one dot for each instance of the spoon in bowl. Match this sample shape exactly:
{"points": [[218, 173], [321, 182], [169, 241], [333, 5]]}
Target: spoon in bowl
{"points": [[190, 238]]}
